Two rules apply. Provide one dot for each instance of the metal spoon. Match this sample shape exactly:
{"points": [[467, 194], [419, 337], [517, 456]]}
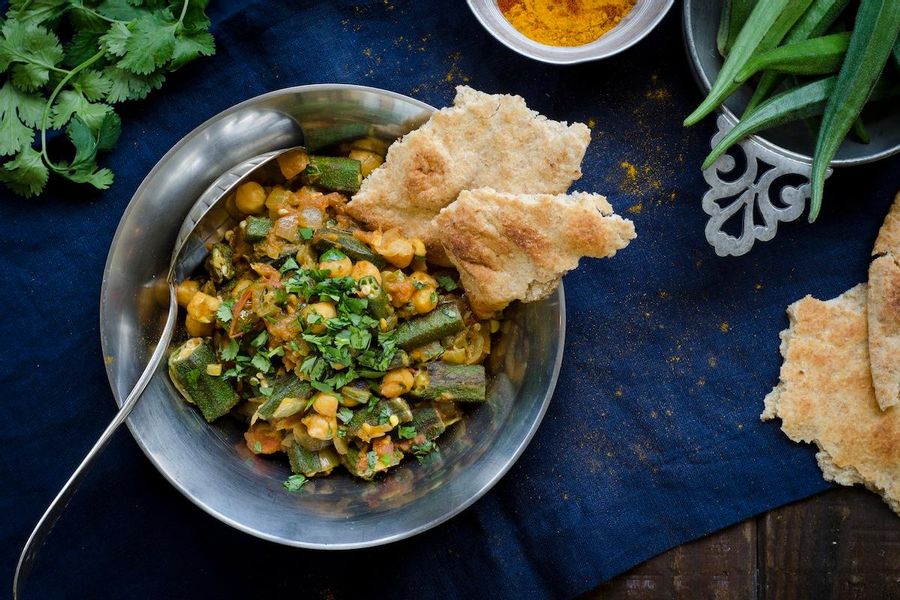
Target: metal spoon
{"points": [[205, 221]]}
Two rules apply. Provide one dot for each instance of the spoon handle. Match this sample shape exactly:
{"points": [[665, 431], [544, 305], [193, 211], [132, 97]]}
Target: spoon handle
{"points": [[56, 508]]}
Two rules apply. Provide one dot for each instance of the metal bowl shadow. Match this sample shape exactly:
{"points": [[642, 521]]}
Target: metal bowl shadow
{"points": [[701, 22], [642, 19], [210, 464]]}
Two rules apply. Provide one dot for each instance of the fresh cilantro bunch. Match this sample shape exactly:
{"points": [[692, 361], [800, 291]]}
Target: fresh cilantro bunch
{"points": [[65, 63]]}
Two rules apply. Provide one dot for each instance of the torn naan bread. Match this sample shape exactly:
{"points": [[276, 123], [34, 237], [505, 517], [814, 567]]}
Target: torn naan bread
{"points": [[825, 395], [483, 140], [884, 310], [517, 247]]}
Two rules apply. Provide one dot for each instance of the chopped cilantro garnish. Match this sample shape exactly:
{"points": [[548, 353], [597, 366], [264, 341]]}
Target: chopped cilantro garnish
{"points": [[224, 311], [322, 387], [289, 265], [306, 233], [332, 254], [231, 350], [426, 447], [447, 282], [295, 482], [266, 391], [406, 432], [371, 458], [261, 362], [418, 285], [345, 414], [260, 339], [257, 447]]}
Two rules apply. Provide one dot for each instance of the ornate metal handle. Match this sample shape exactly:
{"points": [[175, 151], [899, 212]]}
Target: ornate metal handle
{"points": [[751, 195]]}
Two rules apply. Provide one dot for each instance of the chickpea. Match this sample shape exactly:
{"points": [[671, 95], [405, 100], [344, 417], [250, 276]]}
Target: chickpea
{"points": [[185, 291], [398, 252], [421, 280], [319, 427], [326, 310], [396, 383], [368, 161], [203, 307], [250, 198], [342, 267], [325, 404], [197, 329], [424, 300], [292, 163], [276, 200], [371, 144], [363, 269]]}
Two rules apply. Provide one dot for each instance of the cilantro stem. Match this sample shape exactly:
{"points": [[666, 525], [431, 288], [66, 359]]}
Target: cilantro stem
{"points": [[184, 8], [97, 14], [52, 98]]}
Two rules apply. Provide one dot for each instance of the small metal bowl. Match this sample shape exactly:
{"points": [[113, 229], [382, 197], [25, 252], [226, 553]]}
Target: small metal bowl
{"points": [[701, 22], [753, 187], [210, 464], [645, 15]]}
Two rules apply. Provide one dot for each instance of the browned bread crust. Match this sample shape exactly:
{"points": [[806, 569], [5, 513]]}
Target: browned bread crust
{"points": [[483, 140], [825, 395], [884, 310], [517, 247]]}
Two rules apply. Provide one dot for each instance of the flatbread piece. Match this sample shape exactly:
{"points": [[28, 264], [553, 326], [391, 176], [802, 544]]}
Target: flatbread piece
{"points": [[483, 140], [884, 310], [825, 395], [517, 247]]}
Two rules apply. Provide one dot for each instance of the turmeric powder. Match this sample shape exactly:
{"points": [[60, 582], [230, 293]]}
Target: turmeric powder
{"points": [[564, 22]]}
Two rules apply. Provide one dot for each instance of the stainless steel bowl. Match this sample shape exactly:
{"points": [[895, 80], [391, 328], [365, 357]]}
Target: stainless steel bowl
{"points": [[645, 15], [209, 463], [793, 140]]}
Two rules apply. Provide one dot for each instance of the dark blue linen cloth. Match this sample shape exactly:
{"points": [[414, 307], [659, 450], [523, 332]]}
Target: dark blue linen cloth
{"points": [[652, 438]]}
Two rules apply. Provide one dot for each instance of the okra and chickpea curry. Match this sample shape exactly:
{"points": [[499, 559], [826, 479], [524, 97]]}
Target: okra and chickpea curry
{"points": [[337, 346]]}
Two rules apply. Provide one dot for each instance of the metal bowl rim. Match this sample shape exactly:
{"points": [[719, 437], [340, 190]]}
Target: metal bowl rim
{"points": [[690, 47], [506, 466], [529, 48]]}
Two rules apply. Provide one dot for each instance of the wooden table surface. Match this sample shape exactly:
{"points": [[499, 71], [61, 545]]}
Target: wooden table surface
{"points": [[843, 543]]}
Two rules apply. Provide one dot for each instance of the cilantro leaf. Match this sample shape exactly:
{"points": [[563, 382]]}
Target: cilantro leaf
{"points": [[306, 233], [16, 109], [406, 432], [190, 45], [345, 414], [224, 311], [93, 85], [84, 44], [371, 458], [289, 265], [260, 339], [72, 102], [125, 85], [261, 362], [115, 40], [425, 448], [37, 11], [295, 482], [447, 282], [231, 350], [151, 43], [26, 174], [332, 254], [32, 50]]}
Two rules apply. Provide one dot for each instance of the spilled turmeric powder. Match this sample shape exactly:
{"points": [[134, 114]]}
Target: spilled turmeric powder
{"points": [[564, 22]]}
